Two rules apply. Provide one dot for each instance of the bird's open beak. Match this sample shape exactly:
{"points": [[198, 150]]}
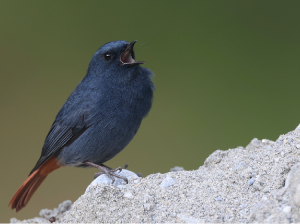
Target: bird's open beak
{"points": [[127, 56]]}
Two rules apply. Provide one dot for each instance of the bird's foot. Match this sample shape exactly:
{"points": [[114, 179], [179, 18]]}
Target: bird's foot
{"points": [[108, 171]]}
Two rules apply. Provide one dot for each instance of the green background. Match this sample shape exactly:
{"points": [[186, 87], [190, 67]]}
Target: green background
{"points": [[225, 72]]}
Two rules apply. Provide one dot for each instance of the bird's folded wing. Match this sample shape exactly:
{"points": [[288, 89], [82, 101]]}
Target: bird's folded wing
{"points": [[60, 135]]}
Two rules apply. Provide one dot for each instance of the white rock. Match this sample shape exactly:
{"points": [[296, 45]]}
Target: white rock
{"points": [[104, 179], [273, 198], [167, 182], [128, 194], [147, 206], [287, 209]]}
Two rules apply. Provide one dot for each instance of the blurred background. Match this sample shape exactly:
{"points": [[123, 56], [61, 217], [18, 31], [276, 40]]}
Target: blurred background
{"points": [[225, 73]]}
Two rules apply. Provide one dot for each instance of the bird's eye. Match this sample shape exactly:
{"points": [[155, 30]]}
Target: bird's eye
{"points": [[107, 56]]}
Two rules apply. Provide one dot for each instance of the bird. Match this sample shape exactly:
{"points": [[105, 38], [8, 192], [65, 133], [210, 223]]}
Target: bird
{"points": [[98, 120]]}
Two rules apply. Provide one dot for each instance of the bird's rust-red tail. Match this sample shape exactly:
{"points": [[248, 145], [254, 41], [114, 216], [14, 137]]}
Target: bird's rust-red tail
{"points": [[31, 184]]}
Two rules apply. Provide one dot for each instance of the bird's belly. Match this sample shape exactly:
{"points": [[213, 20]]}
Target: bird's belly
{"points": [[99, 143]]}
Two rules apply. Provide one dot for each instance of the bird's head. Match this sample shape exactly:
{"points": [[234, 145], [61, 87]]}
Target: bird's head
{"points": [[114, 57]]}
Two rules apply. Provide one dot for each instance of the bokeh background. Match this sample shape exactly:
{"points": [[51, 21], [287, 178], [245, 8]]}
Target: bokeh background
{"points": [[225, 72]]}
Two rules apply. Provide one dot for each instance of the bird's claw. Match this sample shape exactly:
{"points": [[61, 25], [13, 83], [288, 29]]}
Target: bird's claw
{"points": [[111, 174], [108, 171], [117, 169], [98, 174]]}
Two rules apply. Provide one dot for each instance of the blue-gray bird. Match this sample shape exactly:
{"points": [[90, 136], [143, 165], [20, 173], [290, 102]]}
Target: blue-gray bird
{"points": [[99, 118]]}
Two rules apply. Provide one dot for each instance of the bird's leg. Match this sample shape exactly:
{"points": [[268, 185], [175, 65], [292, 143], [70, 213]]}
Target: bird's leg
{"points": [[108, 171], [113, 170]]}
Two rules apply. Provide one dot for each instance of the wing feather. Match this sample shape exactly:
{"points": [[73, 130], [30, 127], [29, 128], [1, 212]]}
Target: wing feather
{"points": [[59, 136]]}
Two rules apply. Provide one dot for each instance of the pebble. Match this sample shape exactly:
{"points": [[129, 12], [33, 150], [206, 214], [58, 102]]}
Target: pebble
{"points": [[147, 206], [251, 181], [287, 209], [240, 166], [176, 169], [218, 199], [104, 179], [167, 182], [243, 206], [128, 194]]}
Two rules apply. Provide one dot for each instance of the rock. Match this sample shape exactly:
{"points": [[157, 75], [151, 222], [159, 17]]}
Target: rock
{"points": [[104, 179], [167, 182], [287, 209], [65, 206], [128, 195], [47, 214], [259, 183], [218, 199], [34, 220], [176, 169], [251, 181]]}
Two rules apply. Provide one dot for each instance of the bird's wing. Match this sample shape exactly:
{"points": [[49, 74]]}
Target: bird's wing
{"points": [[62, 133]]}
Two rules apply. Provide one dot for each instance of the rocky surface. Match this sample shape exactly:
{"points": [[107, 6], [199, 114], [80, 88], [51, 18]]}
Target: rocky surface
{"points": [[47, 215], [259, 183]]}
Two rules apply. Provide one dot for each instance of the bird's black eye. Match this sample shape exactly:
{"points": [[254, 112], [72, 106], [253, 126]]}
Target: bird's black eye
{"points": [[107, 56]]}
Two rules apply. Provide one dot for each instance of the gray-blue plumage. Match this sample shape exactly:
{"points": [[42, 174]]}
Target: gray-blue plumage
{"points": [[105, 110]]}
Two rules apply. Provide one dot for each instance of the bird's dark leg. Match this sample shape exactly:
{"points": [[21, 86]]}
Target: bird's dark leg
{"points": [[114, 170], [111, 170], [108, 171]]}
